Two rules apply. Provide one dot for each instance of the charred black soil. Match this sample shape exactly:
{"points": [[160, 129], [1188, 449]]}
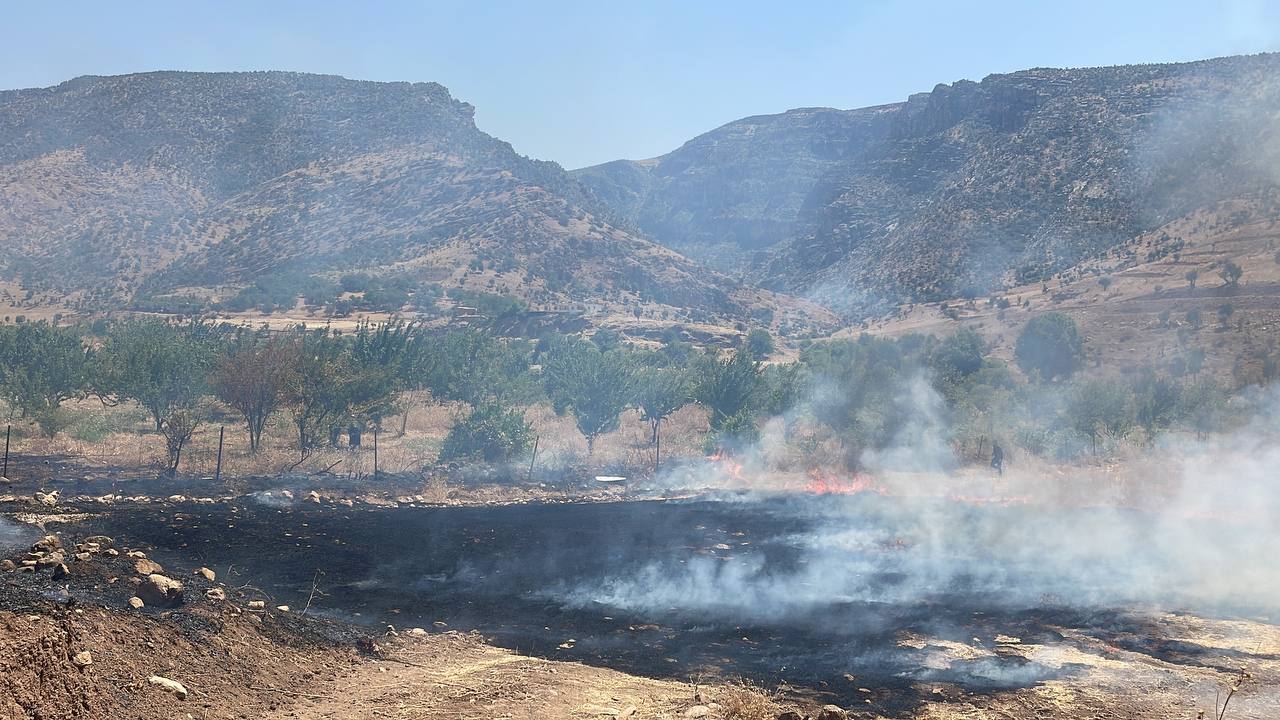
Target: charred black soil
{"points": [[578, 582]]}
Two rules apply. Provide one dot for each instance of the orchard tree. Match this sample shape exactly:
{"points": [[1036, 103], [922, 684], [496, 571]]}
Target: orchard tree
{"points": [[594, 386], [660, 392], [255, 377], [42, 366], [162, 366]]}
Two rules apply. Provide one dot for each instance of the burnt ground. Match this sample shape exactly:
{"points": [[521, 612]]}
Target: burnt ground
{"points": [[824, 595], [584, 582]]}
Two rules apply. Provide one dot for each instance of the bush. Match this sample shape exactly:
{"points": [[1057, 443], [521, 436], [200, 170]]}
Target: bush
{"points": [[489, 433]]}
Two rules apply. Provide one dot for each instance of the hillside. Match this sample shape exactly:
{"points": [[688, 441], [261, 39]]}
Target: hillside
{"points": [[741, 187], [970, 188], [120, 190]]}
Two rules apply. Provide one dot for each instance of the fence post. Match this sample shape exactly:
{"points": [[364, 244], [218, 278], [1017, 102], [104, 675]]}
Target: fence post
{"points": [[8, 430], [375, 452], [217, 473]]}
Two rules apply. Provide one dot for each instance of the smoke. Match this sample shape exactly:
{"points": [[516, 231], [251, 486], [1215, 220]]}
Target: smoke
{"points": [[1191, 524]]}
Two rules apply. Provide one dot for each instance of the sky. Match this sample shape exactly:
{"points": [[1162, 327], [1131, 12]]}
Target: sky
{"points": [[587, 82]]}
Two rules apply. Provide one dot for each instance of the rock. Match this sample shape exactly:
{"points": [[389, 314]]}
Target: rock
{"points": [[257, 604], [111, 552], [418, 632], [790, 715], [313, 496], [144, 566], [82, 556], [207, 574], [282, 608], [4, 480], [697, 711], [101, 541], [177, 498], [27, 568], [832, 712], [8, 565], [60, 571], [82, 659], [215, 594], [53, 559], [47, 543], [160, 591], [136, 554], [136, 603], [47, 499], [172, 686]]}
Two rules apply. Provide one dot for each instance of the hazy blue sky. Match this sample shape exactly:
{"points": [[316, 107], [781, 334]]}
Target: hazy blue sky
{"points": [[585, 82]]}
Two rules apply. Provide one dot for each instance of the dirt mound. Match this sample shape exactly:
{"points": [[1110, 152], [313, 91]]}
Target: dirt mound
{"points": [[38, 677]]}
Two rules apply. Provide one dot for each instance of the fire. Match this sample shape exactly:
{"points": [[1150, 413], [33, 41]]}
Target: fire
{"points": [[827, 483]]}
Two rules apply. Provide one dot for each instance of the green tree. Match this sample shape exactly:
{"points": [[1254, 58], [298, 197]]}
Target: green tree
{"points": [[759, 344], [1050, 347], [1099, 408], [41, 366], [594, 386], [728, 388], [1231, 273], [1192, 276], [162, 366], [660, 392]]}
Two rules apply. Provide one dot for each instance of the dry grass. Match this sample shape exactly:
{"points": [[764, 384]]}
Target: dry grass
{"points": [[744, 700], [123, 437]]}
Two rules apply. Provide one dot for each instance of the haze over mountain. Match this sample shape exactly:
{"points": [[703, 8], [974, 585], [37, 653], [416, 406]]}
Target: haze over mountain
{"points": [[116, 190], [968, 188], [119, 188]]}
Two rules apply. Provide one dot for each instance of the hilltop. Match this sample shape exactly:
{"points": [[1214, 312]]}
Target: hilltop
{"points": [[971, 188], [181, 188]]}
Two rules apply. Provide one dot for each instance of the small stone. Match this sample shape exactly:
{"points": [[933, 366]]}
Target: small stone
{"points": [[47, 499], [27, 568], [215, 594], [282, 608], [417, 632], [136, 603], [257, 604], [82, 659], [144, 566], [207, 574], [47, 543], [832, 712], [60, 571], [137, 554], [82, 556], [111, 552], [172, 686], [8, 565], [790, 715]]}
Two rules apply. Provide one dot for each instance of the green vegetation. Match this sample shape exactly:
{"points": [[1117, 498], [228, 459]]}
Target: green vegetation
{"points": [[1050, 347], [865, 395]]}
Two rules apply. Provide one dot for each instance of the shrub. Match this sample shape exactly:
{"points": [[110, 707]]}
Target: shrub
{"points": [[490, 433]]}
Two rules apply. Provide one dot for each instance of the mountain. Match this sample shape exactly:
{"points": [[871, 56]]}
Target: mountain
{"points": [[741, 187], [115, 190], [969, 188]]}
